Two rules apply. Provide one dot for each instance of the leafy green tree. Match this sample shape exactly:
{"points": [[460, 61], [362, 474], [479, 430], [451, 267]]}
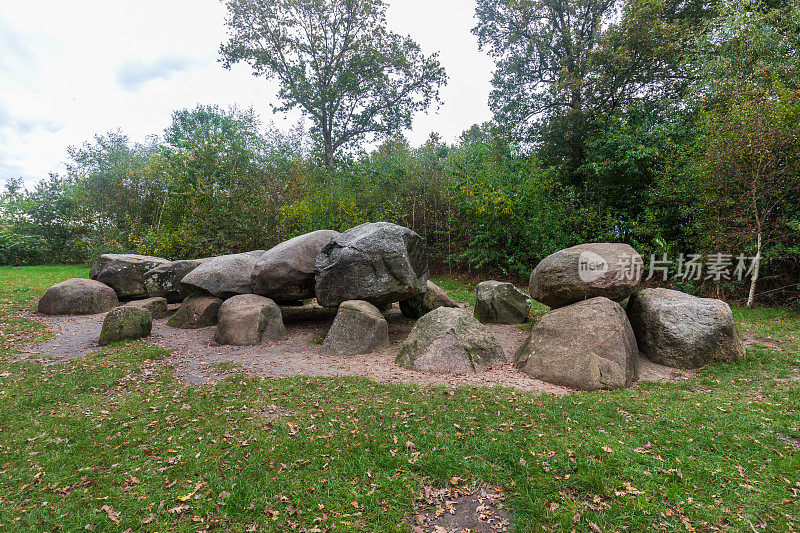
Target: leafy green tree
{"points": [[223, 188], [116, 195], [749, 80], [337, 62], [563, 66]]}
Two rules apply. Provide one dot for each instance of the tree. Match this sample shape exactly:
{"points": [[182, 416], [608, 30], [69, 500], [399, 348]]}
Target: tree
{"points": [[337, 62], [750, 82], [563, 65]]}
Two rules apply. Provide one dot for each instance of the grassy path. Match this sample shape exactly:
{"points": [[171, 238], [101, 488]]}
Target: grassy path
{"points": [[112, 442]]}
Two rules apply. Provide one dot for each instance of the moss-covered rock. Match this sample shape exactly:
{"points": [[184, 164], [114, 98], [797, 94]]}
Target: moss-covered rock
{"points": [[126, 323]]}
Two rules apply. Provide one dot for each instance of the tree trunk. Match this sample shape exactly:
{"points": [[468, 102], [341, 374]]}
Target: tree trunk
{"points": [[754, 280], [329, 153]]}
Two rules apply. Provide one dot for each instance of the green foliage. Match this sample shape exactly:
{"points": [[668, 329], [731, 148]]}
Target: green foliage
{"points": [[337, 62], [17, 249], [508, 202]]}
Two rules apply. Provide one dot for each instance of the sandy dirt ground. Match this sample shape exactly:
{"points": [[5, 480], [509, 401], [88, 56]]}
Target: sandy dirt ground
{"points": [[194, 353]]}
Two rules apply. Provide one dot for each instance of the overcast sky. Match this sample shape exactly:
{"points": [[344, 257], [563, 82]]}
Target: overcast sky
{"points": [[73, 69]]}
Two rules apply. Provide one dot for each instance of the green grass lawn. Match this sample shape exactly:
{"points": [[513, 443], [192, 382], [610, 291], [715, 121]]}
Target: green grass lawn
{"points": [[113, 442]]}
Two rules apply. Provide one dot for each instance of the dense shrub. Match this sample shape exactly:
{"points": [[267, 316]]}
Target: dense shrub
{"points": [[17, 249]]}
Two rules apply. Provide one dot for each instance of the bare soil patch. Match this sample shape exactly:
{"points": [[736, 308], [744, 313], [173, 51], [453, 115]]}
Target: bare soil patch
{"points": [[194, 353], [459, 509]]}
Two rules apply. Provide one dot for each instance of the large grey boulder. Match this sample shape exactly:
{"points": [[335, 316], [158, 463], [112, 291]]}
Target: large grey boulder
{"points": [[587, 346], [610, 270], [157, 306], [380, 263], [126, 323], [449, 341], [248, 320], [196, 311], [420, 305], [359, 328], [125, 272], [78, 296], [501, 303], [223, 276], [164, 281], [683, 331], [286, 272]]}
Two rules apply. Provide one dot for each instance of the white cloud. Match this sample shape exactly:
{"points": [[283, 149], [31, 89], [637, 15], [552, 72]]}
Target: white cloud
{"points": [[74, 69], [131, 75]]}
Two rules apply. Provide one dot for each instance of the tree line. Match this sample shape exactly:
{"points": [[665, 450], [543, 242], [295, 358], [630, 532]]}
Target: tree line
{"points": [[670, 125]]}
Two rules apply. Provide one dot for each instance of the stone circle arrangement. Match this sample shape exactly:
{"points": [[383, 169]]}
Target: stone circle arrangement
{"points": [[591, 338]]}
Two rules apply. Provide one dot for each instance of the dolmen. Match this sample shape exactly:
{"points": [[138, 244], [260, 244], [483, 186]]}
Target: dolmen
{"points": [[586, 341]]}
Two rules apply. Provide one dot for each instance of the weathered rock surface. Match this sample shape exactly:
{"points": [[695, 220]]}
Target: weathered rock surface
{"points": [[359, 328], [78, 296], [157, 306], [164, 281], [683, 331], [248, 320], [588, 345], [449, 341], [223, 276], [501, 303], [586, 271], [197, 311], [380, 263], [125, 273], [286, 272], [126, 323], [422, 304]]}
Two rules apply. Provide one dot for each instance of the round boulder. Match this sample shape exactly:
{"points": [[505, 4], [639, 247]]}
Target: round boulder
{"points": [[157, 306], [248, 320], [78, 296], [586, 271], [587, 346], [683, 331], [422, 304], [359, 328], [164, 281], [223, 276], [125, 272], [449, 341], [285, 273], [196, 311], [125, 323], [501, 303], [380, 263]]}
